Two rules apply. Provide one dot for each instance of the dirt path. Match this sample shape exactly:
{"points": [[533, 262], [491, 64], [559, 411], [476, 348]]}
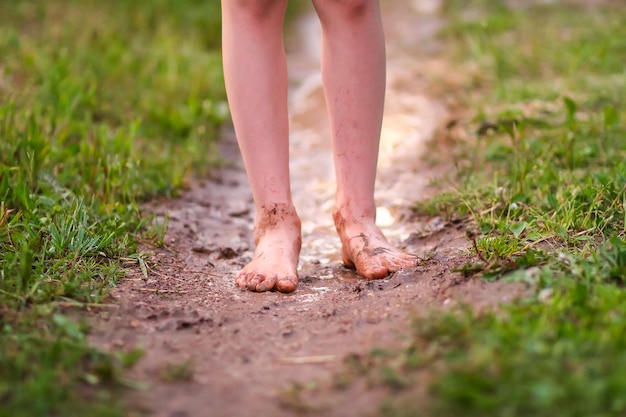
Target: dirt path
{"points": [[214, 350]]}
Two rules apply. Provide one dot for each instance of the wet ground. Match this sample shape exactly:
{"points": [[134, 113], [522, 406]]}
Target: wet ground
{"points": [[212, 349]]}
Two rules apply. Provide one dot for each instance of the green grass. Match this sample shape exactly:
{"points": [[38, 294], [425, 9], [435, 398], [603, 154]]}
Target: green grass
{"points": [[542, 174], [102, 105]]}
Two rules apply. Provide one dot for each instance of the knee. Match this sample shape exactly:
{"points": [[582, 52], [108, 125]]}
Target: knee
{"points": [[346, 10], [259, 10]]}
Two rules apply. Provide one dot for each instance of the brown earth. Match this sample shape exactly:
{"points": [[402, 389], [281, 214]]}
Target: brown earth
{"points": [[212, 349]]}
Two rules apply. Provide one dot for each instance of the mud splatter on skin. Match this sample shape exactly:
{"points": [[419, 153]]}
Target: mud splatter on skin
{"points": [[275, 215]]}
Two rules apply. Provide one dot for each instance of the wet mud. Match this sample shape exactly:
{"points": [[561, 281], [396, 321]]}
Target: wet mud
{"points": [[212, 349]]}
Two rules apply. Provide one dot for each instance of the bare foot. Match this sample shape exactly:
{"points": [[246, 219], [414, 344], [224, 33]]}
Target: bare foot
{"points": [[365, 248], [278, 240]]}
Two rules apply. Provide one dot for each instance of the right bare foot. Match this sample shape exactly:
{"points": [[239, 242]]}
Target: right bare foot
{"points": [[365, 248], [278, 241]]}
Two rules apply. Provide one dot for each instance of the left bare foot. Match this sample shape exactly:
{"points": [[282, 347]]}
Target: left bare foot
{"points": [[365, 248], [275, 262]]}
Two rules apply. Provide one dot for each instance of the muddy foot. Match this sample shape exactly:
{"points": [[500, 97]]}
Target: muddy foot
{"points": [[365, 248], [278, 241]]}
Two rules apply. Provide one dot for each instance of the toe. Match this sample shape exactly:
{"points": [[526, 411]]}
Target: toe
{"points": [[287, 284], [404, 262], [375, 272], [241, 279], [399, 261], [410, 261], [254, 282], [266, 284]]}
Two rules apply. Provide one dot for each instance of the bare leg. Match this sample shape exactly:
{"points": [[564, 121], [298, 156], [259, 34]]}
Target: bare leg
{"points": [[256, 82], [353, 69]]}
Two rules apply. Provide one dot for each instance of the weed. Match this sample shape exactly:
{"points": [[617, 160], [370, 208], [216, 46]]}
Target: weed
{"points": [[178, 372], [294, 399]]}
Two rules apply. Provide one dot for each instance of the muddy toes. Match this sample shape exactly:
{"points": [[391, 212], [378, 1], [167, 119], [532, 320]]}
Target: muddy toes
{"points": [[258, 282], [261, 283], [241, 280], [265, 284], [404, 261], [380, 262], [379, 271], [401, 261]]}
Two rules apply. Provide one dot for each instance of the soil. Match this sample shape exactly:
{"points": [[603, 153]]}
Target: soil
{"points": [[212, 349]]}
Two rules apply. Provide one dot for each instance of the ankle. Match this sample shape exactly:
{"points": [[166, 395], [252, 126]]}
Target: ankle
{"points": [[345, 216], [276, 217]]}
